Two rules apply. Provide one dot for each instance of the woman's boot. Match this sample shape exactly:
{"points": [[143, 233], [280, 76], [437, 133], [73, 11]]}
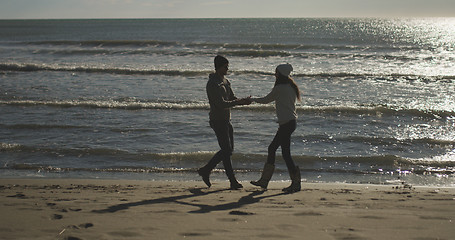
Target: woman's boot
{"points": [[267, 173], [296, 179]]}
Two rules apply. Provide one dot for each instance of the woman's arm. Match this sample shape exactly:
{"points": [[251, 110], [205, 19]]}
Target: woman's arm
{"points": [[267, 99]]}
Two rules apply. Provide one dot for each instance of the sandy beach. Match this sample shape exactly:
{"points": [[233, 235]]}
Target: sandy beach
{"points": [[118, 209]]}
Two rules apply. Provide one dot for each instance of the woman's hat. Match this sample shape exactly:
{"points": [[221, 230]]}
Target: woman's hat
{"points": [[285, 69]]}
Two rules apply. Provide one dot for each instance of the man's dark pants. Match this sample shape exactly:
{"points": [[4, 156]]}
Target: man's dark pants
{"points": [[225, 135]]}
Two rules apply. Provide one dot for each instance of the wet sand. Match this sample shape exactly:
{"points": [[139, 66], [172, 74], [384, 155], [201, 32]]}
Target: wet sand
{"points": [[118, 209]]}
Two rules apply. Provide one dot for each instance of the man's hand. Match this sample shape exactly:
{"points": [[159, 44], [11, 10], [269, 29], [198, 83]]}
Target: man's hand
{"points": [[244, 101]]}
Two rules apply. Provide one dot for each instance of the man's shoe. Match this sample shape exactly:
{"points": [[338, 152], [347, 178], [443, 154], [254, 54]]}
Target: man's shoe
{"points": [[205, 176], [236, 186]]}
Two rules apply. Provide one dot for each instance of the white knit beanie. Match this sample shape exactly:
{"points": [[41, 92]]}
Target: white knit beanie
{"points": [[285, 69]]}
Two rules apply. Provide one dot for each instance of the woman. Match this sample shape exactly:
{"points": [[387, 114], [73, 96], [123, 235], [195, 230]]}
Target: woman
{"points": [[284, 93]]}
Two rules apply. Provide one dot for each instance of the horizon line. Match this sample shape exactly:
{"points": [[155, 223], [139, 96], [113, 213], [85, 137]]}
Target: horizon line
{"points": [[183, 18]]}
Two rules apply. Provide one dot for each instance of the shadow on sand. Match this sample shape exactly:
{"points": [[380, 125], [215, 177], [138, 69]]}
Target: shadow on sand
{"points": [[251, 198]]}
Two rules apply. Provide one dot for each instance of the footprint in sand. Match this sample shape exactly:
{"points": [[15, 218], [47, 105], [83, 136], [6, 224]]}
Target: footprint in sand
{"points": [[72, 238], [240, 213], [193, 234], [86, 225], [56, 217], [309, 213], [228, 219], [19, 195], [373, 217], [344, 233]]}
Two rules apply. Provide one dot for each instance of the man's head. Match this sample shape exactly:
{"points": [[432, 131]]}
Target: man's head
{"points": [[220, 61], [221, 65]]}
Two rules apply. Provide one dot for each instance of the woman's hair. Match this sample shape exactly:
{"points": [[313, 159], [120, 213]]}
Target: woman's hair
{"points": [[284, 80]]}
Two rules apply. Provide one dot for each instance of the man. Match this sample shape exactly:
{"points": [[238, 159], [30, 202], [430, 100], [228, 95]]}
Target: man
{"points": [[222, 99]]}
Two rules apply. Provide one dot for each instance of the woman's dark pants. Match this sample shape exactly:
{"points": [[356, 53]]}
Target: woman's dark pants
{"points": [[283, 139]]}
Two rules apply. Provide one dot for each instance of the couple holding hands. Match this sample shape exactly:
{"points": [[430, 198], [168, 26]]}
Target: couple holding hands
{"points": [[285, 93]]}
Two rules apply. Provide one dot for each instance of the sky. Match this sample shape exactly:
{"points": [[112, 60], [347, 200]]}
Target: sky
{"points": [[57, 9]]}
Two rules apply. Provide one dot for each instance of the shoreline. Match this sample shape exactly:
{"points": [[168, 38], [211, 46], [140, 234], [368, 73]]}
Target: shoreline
{"points": [[143, 209]]}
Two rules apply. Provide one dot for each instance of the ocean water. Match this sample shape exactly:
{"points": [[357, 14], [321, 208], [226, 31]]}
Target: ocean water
{"points": [[126, 99]]}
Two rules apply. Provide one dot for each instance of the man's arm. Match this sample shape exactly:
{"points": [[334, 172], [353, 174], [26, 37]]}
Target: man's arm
{"points": [[215, 95]]}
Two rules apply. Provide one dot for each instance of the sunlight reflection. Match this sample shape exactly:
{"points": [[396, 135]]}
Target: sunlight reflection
{"points": [[448, 157]]}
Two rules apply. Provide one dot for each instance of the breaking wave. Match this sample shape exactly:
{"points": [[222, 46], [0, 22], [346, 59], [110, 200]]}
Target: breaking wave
{"points": [[165, 105], [31, 67], [203, 156], [248, 50], [203, 45]]}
